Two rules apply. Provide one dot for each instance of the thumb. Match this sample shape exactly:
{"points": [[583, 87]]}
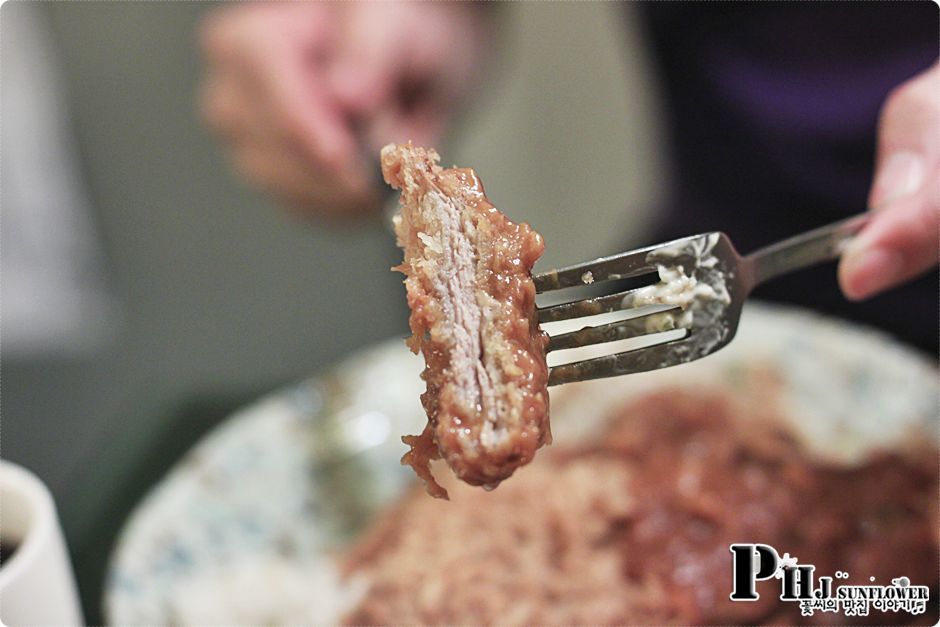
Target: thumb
{"points": [[908, 138], [900, 240]]}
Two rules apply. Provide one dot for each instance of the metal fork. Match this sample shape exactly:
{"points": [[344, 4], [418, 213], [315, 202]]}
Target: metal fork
{"points": [[703, 285]]}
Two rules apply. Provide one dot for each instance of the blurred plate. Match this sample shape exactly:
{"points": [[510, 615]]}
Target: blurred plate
{"points": [[242, 529]]}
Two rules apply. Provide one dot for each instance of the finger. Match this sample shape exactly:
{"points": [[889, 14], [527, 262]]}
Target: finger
{"points": [[220, 93], [285, 174], [908, 138], [277, 51], [223, 107], [219, 32], [307, 117], [234, 110], [899, 243]]}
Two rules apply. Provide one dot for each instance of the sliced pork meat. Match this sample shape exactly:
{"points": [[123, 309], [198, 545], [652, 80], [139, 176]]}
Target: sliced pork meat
{"points": [[473, 317]]}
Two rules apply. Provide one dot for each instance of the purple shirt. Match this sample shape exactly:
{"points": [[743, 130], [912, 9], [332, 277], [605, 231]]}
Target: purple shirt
{"points": [[772, 110]]}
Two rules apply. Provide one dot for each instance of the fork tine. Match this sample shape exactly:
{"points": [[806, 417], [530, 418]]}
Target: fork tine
{"points": [[674, 352], [610, 332], [620, 266], [588, 306]]}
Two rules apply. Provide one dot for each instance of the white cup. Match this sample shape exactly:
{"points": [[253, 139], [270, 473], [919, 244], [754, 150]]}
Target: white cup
{"points": [[37, 586]]}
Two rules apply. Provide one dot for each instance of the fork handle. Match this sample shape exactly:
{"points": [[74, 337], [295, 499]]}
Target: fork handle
{"points": [[802, 251]]}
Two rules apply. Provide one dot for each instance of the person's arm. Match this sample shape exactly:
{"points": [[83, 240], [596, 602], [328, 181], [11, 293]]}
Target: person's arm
{"points": [[901, 240], [300, 92]]}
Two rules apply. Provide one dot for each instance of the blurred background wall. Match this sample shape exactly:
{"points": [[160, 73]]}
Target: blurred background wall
{"points": [[214, 295]]}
